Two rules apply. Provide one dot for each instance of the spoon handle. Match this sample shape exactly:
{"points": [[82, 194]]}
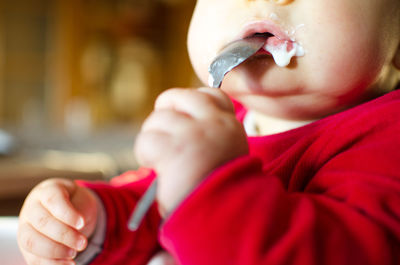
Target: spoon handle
{"points": [[143, 206]]}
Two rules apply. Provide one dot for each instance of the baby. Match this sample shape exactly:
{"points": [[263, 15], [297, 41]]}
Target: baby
{"points": [[317, 182]]}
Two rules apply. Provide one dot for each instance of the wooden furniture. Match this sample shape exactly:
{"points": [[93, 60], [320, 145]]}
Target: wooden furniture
{"points": [[55, 52]]}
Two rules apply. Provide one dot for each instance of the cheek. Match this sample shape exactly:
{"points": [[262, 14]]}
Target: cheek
{"points": [[352, 64], [344, 65], [348, 48], [204, 35], [199, 48], [199, 59], [214, 23]]}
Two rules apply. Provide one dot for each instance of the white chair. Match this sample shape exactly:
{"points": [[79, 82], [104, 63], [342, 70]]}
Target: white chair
{"points": [[9, 252]]}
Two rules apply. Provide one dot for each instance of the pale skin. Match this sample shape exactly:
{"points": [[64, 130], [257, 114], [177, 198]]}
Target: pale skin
{"points": [[55, 221], [352, 55]]}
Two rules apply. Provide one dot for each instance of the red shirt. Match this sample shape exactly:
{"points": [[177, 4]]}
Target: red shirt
{"points": [[325, 193]]}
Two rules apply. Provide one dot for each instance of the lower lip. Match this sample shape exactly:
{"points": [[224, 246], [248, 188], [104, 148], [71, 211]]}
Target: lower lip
{"points": [[281, 50], [275, 42]]}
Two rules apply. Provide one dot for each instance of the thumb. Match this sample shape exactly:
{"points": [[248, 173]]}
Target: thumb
{"points": [[220, 98]]}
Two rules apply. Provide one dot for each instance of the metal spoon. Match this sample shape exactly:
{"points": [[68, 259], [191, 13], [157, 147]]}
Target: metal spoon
{"points": [[230, 57], [143, 206]]}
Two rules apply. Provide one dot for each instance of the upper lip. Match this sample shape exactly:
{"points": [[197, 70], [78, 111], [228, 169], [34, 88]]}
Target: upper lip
{"points": [[263, 26]]}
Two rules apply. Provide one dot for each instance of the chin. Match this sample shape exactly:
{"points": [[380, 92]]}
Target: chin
{"points": [[238, 85], [295, 107]]}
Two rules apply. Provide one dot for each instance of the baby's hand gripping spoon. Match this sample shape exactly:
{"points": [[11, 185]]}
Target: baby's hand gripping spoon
{"points": [[231, 56]]}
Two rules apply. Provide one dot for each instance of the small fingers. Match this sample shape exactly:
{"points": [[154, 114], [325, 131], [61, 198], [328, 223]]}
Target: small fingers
{"points": [[35, 260], [31, 241], [199, 103], [148, 147], [166, 120], [56, 200], [222, 99], [46, 224]]}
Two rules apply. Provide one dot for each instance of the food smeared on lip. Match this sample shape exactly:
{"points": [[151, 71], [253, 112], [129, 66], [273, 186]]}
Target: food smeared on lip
{"points": [[281, 50]]}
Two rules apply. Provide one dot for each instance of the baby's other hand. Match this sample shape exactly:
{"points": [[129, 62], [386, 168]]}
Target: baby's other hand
{"points": [[190, 133], [55, 221]]}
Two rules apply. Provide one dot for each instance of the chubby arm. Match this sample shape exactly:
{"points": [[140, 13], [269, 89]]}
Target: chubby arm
{"points": [[241, 216], [343, 210]]}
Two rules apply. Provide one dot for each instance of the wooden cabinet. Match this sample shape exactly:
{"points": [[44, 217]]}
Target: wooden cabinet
{"points": [[109, 58]]}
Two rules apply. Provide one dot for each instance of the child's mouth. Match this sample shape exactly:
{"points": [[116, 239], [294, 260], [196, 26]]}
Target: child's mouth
{"points": [[278, 44], [282, 51]]}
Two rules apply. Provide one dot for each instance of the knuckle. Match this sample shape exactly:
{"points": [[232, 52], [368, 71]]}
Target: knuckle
{"points": [[55, 252], [59, 252], [51, 198], [54, 194], [43, 221], [226, 122], [217, 97], [66, 216], [24, 238], [28, 242], [65, 235]]}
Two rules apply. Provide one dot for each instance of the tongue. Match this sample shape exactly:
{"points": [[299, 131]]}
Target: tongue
{"points": [[283, 50]]}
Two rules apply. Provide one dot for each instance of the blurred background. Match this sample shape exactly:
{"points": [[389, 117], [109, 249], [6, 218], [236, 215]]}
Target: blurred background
{"points": [[77, 78]]}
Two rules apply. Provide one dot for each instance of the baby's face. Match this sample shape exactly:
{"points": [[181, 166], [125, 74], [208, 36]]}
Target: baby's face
{"points": [[349, 47]]}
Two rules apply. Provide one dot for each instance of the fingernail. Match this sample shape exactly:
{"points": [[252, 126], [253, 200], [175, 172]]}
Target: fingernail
{"points": [[80, 245], [72, 253], [80, 223]]}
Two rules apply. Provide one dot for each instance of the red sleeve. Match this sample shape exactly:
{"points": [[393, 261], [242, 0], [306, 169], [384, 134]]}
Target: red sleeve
{"points": [[119, 197], [252, 219], [347, 210]]}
